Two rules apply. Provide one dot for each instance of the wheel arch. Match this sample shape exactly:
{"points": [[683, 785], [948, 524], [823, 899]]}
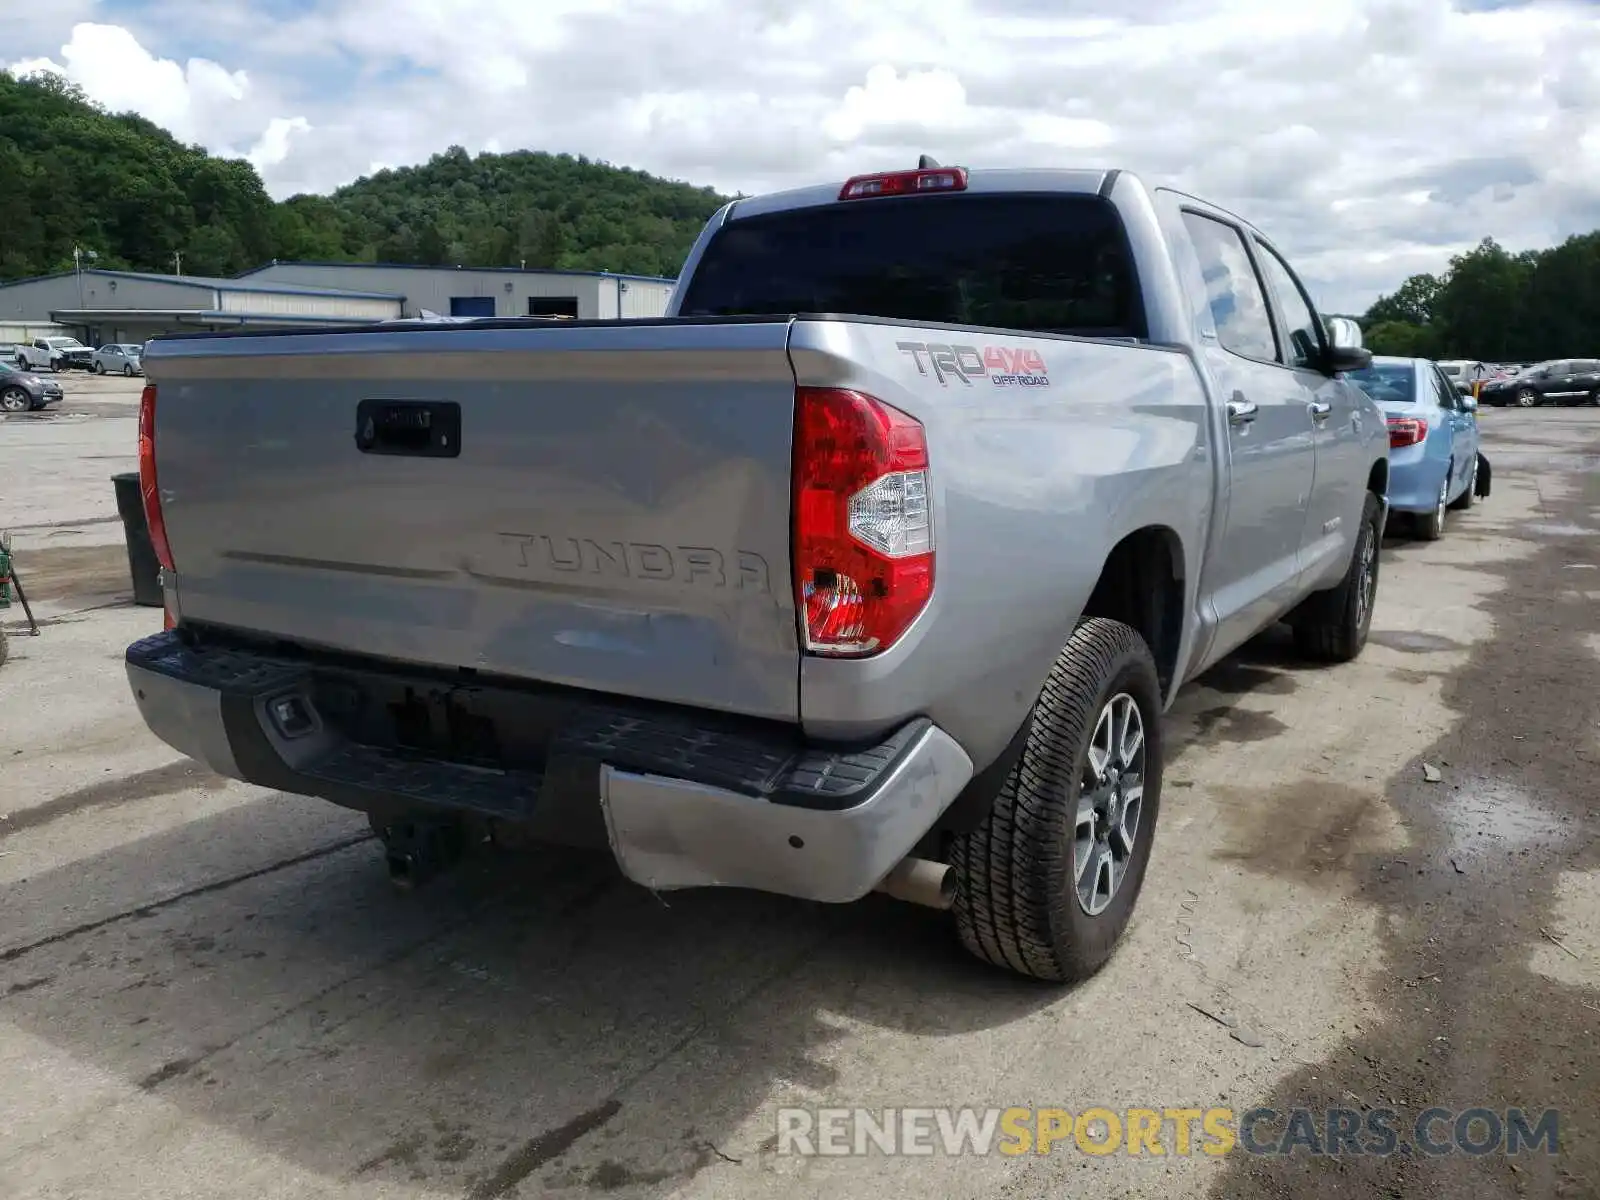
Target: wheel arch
{"points": [[1141, 584]]}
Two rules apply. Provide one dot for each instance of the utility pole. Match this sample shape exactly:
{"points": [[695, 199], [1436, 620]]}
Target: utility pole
{"points": [[177, 262], [78, 255]]}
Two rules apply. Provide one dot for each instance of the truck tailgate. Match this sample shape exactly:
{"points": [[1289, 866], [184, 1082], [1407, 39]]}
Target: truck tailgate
{"points": [[613, 514]]}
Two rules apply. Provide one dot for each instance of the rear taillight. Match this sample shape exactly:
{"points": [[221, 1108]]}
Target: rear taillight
{"points": [[1406, 431], [863, 527], [148, 491]]}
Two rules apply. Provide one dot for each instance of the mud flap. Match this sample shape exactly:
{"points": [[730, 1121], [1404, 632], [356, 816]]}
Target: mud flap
{"points": [[1484, 477]]}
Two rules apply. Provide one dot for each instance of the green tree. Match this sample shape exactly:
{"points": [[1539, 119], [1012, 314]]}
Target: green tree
{"points": [[1400, 337], [1411, 303]]}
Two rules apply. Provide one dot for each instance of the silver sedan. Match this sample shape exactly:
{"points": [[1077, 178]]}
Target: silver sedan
{"points": [[117, 358]]}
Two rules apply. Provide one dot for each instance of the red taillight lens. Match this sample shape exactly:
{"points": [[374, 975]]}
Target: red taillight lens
{"points": [[148, 492], [905, 183], [1406, 431], [863, 528]]}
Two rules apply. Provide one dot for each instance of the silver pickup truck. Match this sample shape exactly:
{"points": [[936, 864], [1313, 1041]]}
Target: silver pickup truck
{"points": [[873, 566]]}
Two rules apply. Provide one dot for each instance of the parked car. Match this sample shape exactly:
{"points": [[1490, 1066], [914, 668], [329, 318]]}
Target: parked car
{"points": [[1435, 461], [118, 358], [21, 390], [54, 354], [809, 604], [1559, 381], [1464, 375]]}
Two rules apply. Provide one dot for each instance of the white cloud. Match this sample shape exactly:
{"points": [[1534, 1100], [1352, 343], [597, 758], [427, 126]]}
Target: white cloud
{"points": [[275, 142], [932, 101], [1372, 138]]}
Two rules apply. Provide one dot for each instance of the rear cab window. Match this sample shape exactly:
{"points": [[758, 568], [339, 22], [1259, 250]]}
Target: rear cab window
{"points": [[1038, 263]]}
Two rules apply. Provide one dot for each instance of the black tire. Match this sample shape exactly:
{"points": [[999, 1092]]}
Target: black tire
{"points": [[1332, 625], [127, 370], [1430, 526], [15, 400], [1594, 398], [1527, 398], [99, 368], [1469, 493], [1016, 899]]}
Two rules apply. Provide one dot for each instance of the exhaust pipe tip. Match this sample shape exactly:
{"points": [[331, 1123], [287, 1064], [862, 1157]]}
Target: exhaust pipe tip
{"points": [[402, 871], [921, 881]]}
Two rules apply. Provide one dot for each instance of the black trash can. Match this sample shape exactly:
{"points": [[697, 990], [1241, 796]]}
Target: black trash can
{"points": [[142, 562]]}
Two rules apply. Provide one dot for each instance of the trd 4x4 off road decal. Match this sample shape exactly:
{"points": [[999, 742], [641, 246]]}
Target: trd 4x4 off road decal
{"points": [[1002, 366]]}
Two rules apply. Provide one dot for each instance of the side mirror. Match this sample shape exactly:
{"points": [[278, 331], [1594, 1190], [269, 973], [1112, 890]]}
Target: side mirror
{"points": [[1345, 351], [1469, 403]]}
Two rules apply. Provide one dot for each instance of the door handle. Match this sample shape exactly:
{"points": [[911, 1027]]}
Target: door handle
{"points": [[1242, 412], [1320, 410]]}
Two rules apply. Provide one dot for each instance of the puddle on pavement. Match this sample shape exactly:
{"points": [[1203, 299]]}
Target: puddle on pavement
{"points": [[1489, 818], [1413, 642]]}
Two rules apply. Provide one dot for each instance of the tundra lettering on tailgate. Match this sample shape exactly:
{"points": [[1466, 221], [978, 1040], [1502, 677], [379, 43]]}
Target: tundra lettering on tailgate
{"points": [[1003, 366], [700, 566]]}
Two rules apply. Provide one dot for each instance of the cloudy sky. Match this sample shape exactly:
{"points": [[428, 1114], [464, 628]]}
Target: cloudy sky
{"points": [[1372, 138]]}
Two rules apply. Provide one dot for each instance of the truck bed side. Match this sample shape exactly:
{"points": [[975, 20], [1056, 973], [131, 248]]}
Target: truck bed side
{"points": [[1034, 483]]}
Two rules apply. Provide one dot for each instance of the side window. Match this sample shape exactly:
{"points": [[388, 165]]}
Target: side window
{"points": [[1449, 398], [1302, 326], [1233, 291]]}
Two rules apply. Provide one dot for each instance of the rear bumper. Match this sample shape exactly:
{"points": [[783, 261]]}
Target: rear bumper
{"points": [[683, 799], [1414, 480]]}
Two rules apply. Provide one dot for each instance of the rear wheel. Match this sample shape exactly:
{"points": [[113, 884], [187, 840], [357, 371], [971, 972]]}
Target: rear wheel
{"points": [[1430, 526], [99, 368], [1332, 625], [1046, 885], [1469, 493], [127, 370]]}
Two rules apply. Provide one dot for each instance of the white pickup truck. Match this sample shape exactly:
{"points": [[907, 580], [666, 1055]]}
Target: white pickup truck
{"points": [[54, 354], [872, 566]]}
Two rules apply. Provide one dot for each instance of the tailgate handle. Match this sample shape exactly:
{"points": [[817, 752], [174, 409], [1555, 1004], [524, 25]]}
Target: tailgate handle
{"points": [[416, 428]]}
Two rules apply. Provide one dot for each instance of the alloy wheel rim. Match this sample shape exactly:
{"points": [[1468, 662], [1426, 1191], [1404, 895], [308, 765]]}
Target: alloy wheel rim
{"points": [[1366, 579], [1110, 804]]}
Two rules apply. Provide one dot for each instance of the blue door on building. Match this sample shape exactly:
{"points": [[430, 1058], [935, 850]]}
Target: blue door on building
{"points": [[472, 306]]}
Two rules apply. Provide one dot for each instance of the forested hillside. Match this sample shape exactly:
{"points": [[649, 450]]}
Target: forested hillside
{"points": [[72, 174]]}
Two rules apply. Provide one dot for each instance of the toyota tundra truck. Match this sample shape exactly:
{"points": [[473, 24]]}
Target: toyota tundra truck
{"points": [[873, 566]]}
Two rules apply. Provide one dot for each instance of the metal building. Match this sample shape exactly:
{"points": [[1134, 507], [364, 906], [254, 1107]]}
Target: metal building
{"points": [[102, 306], [485, 291]]}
